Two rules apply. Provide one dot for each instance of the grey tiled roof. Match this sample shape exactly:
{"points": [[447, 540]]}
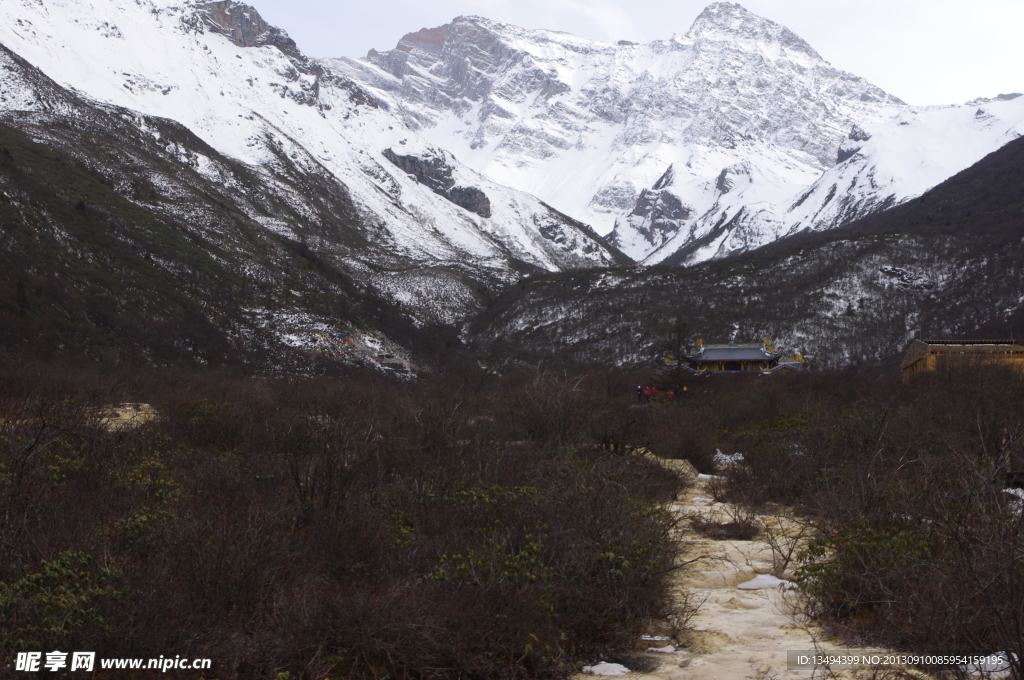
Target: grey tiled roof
{"points": [[733, 354]]}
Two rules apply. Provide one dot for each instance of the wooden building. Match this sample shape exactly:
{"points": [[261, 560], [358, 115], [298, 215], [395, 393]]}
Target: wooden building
{"points": [[937, 355], [739, 359]]}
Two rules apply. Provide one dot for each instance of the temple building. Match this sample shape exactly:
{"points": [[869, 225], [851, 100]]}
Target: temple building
{"points": [[938, 355], [740, 359]]}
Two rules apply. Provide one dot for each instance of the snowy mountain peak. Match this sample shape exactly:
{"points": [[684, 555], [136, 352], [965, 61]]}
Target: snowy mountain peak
{"points": [[719, 140], [589, 125], [730, 21]]}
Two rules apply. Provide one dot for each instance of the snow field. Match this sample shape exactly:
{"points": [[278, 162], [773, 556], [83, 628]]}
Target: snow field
{"points": [[588, 125]]}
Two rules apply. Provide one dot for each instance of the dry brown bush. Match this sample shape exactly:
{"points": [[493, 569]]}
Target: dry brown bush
{"points": [[915, 543], [350, 527]]}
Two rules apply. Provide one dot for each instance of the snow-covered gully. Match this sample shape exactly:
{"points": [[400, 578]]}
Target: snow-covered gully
{"points": [[738, 632]]}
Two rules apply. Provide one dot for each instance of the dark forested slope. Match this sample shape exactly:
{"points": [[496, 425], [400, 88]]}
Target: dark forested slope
{"points": [[89, 272], [120, 243]]}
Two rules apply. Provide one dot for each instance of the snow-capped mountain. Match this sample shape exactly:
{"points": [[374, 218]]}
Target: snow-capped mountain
{"points": [[245, 89], [899, 159], [715, 141]]}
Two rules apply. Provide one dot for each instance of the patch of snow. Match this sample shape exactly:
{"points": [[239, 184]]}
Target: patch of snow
{"points": [[1017, 504], [766, 582], [605, 668], [727, 458]]}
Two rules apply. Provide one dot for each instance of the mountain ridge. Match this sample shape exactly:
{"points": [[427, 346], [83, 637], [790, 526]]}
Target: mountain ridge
{"points": [[590, 126], [326, 217], [729, 18]]}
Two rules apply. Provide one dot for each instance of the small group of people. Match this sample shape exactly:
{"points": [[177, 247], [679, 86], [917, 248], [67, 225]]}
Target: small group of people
{"points": [[648, 393]]}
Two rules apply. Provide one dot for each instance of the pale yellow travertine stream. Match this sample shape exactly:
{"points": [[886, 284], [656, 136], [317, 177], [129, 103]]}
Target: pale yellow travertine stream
{"points": [[736, 633]]}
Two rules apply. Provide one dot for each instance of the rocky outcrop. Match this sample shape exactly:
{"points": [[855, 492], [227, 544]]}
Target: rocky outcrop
{"points": [[431, 171], [657, 217], [660, 206], [852, 144], [435, 172], [666, 180], [472, 199], [732, 176], [244, 26]]}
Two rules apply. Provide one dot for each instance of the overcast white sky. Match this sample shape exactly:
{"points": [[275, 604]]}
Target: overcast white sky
{"points": [[923, 51]]}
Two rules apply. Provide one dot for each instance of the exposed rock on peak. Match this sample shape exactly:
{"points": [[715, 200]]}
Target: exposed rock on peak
{"points": [[466, 59], [244, 26], [732, 21], [858, 134], [665, 180], [852, 144], [432, 37], [998, 98]]}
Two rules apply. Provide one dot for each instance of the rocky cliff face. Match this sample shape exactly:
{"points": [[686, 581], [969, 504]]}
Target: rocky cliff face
{"points": [[244, 26], [656, 217], [434, 171], [749, 116]]}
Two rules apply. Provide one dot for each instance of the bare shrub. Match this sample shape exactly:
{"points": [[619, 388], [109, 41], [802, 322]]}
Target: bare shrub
{"points": [[724, 531], [915, 545], [684, 431], [349, 527], [786, 535]]}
